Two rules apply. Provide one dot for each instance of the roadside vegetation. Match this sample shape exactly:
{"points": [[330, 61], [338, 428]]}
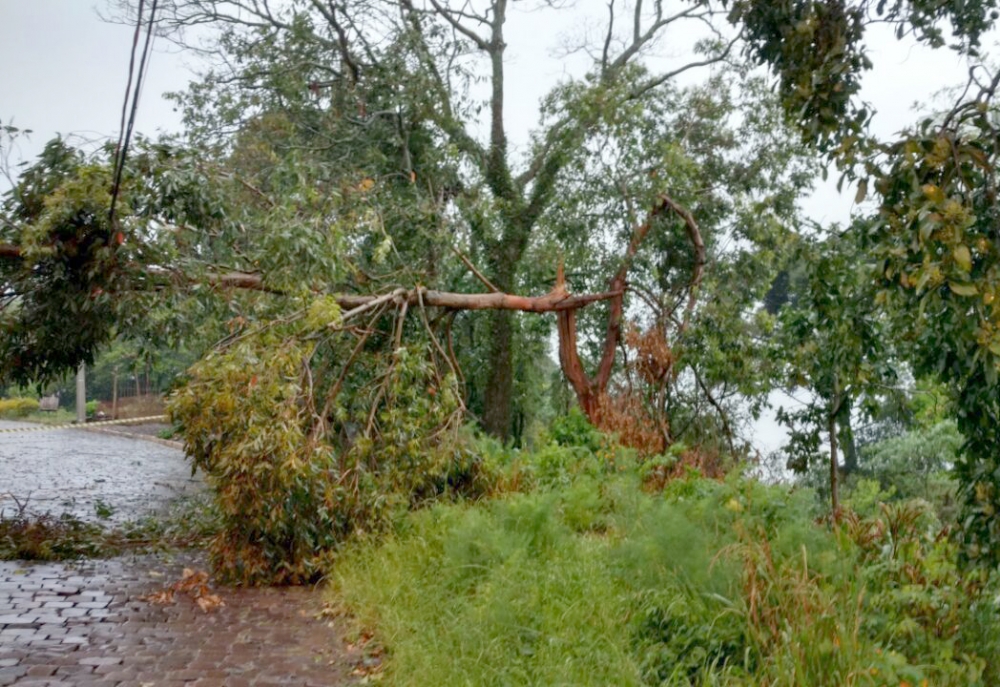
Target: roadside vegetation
{"points": [[592, 573]]}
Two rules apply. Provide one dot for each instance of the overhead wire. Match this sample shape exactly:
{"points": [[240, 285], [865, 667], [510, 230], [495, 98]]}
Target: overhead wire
{"points": [[131, 95]]}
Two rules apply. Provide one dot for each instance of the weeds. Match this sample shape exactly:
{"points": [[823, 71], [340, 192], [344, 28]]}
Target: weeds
{"points": [[590, 581]]}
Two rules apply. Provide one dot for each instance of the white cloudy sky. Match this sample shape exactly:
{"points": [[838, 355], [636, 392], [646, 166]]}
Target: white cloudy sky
{"points": [[64, 70]]}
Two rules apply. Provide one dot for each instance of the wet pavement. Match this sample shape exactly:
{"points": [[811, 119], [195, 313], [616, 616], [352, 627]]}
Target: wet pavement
{"points": [[99, 623], [90, 625], [89, 475]]}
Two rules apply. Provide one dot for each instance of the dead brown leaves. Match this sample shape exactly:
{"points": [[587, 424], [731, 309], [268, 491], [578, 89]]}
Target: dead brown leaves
{"points": [[194, 584]]}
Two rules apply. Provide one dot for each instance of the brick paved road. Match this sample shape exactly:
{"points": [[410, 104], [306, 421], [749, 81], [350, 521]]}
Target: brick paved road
{"points": [[85, 625], [72, 470]]}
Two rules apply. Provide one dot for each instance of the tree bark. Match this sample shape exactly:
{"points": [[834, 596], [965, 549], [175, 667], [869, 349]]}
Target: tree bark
{"points": [[498, 399], [832, 429]]}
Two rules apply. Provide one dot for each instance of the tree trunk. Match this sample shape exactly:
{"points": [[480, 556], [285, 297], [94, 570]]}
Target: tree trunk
{"points": [[499, 396], [834, 496], [847, 444], [498, 399], [834, 471]]}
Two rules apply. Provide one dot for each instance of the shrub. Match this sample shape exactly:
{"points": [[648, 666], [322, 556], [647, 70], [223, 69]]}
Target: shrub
{"points": [[574, 429], [294, 477], [17, 407]]}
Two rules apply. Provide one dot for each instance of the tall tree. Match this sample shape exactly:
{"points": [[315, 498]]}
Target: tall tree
{"points": [[837, 344], [408, 68]]}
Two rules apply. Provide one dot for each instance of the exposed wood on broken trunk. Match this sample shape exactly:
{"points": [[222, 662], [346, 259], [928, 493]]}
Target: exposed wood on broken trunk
{"points": [[590, 390]]}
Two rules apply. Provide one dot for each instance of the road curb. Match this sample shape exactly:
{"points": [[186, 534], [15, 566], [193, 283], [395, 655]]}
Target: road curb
{"points": [[139, 437]]}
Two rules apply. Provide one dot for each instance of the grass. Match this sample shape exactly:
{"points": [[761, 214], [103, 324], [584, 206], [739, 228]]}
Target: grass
{"points": [[57, 417], [711, 583]]}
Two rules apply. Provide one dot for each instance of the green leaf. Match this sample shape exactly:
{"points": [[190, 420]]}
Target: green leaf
{"points": [[862, 193], [963, 257], [963, 288]]}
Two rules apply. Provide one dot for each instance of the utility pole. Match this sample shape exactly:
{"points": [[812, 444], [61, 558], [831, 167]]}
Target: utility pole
{"points": [[81, 393]]}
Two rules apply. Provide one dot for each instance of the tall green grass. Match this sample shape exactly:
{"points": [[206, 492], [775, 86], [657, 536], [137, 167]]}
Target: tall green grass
{"points": [[593, 582]]}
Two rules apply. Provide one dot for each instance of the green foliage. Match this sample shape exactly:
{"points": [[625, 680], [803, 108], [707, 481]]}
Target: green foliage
{"points": [[834, 342], [71, 262], [17, 407], [935, 236], [574, 429], [274, 488], [817, 51], [292, 478], [916, 464], [727, 583]]}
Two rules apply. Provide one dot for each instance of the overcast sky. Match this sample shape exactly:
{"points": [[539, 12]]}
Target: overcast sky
{"points": [[64, 71]]}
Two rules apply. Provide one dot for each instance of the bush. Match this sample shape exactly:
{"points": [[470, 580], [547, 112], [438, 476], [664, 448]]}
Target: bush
{"points": [[17, 407], [293, 481], [574, 429]]}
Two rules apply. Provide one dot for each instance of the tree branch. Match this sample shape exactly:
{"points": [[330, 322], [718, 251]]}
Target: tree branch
{"points": [[451, 126], [472, 268], [663, 78], [555, 301], [446, 14]]}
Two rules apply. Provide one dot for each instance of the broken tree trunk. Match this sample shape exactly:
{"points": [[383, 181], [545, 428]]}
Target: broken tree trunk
{"points": [[555, 301], [589, 390]]}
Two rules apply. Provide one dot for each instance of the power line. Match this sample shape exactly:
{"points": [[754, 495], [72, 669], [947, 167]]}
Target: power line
{"points": [[125, 133]]}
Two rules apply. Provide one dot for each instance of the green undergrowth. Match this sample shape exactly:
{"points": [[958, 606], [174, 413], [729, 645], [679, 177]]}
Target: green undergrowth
{"points": [[589, 580], [57, 417]]}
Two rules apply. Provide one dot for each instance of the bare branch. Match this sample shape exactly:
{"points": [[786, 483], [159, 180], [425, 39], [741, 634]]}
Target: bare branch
{"points": [[608, 35], [472, 268], [551, 302], [642, 39], [663, 78], [449, 17]]}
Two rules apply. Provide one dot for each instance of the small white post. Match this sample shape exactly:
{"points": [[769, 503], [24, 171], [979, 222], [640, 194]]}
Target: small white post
{"points": [[81, 393]]}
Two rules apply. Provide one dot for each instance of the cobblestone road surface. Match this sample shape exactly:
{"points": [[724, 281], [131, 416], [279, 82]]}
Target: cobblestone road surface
{"points": [[88, 624], [74, 471]]}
